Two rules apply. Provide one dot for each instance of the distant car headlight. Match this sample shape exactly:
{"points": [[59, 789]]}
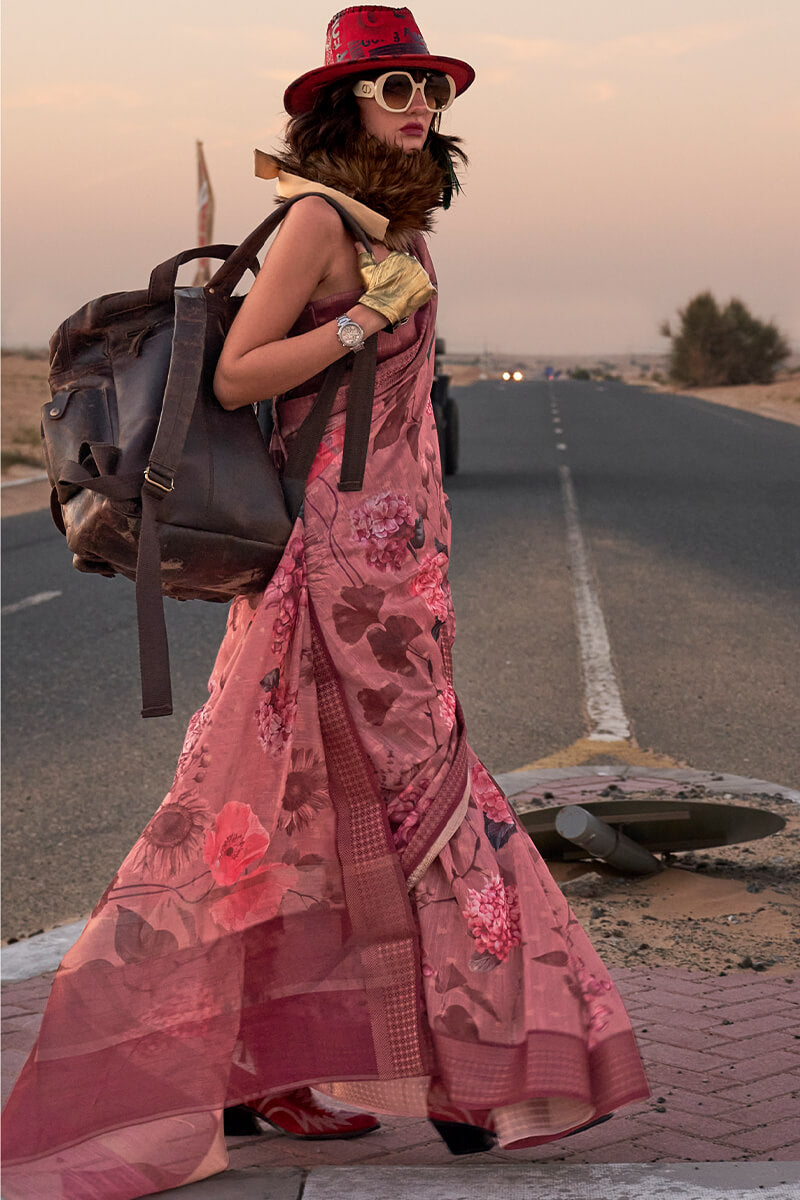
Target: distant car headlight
{"points": [[517, 376], [506, 375]]}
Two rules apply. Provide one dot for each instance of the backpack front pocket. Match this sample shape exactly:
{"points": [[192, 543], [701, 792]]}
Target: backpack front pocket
{"points": [[72, 420]]}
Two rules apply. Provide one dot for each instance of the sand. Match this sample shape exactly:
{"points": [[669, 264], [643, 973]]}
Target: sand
{"points": [[779, 400], [24, 391], [723, 909]]}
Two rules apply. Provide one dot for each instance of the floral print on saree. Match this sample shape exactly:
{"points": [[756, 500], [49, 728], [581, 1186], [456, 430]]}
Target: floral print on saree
{"points": [[334, 890]]}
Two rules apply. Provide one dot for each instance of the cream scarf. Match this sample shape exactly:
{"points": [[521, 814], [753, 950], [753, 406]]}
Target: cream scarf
{"points": [[287, 186]]}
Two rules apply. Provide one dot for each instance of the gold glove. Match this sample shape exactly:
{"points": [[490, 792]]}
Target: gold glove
{"points": [[396, 287]]}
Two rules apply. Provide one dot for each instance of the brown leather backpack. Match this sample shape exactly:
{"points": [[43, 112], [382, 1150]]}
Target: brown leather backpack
{"points": [[151, 477]]}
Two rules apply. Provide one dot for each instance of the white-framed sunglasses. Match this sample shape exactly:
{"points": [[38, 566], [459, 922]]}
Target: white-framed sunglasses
{"points": [[394, 90]]}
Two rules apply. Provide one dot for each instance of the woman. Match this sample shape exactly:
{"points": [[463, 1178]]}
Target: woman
{"points": [[335, 892]]}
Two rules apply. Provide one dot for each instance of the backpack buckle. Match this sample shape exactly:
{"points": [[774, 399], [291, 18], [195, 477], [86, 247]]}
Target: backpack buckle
{"points": [[167, 486]]}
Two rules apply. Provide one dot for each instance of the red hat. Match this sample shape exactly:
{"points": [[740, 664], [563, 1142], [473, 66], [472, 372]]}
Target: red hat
{"points": [[371, 36]]}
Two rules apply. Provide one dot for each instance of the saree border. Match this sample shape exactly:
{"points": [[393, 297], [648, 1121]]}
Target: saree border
{"points": [[383, 923]]}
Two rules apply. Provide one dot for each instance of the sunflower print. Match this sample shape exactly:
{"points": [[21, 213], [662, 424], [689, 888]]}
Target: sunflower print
{"points": [[174, 836], [306, 791]]}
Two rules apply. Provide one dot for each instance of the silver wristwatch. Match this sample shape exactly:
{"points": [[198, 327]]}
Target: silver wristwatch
{"points": [[350, 334]]}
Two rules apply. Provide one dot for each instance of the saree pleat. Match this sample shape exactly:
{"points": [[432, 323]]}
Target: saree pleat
{"points": [[334, 891]]}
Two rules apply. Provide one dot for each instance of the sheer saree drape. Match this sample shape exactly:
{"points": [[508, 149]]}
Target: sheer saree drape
{"points": [[334, 891]]}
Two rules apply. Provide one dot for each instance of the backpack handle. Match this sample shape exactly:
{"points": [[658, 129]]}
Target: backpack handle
{"points": [[163, 277], [238, 259]]}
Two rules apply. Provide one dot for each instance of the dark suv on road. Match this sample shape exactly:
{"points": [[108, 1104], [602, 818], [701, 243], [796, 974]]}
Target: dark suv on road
{"points": [[445, 412]]}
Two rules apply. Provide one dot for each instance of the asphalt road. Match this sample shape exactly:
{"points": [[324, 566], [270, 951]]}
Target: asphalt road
{"points": [[689, 510]]}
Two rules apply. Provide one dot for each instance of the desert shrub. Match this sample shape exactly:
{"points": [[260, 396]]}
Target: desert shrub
{"points": [[28, 435], [34, 353], [14, 458], [720, 347], [578, 373], [602, 374]]}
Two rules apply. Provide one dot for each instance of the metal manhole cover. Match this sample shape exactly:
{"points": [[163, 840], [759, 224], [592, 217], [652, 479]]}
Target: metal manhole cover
{"points": [[657, 824]]}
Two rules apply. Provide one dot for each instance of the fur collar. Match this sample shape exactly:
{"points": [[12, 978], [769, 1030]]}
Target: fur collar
{"points": [[406, 188]]}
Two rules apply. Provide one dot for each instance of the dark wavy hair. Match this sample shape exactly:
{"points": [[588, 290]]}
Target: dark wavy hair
{"points": [[335, 121]]}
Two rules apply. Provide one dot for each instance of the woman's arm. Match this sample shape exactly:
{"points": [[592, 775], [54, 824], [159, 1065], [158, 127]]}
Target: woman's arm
{"points": [[258, 360]]}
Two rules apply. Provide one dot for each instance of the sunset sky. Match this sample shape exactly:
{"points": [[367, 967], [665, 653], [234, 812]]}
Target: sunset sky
{"points": [[623, 156]]}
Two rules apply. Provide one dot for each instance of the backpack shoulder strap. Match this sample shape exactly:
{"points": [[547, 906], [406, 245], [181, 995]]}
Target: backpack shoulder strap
{"points": [[180, 396]]}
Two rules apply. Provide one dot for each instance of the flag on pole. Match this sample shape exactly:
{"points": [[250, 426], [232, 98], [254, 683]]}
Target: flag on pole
{"points": [[205, 216]]}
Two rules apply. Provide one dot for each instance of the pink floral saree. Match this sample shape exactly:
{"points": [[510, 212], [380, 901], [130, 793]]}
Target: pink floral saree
{"points": [[334, 892]]}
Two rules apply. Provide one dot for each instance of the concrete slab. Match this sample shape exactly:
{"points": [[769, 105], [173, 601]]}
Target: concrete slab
{"points": [[514, 782], [37, 955], [271, 1184], [701, 1181]]}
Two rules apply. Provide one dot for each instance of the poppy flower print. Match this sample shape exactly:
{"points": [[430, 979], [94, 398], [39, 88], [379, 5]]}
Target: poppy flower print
{"points": [[257, 899], [237, 840]]}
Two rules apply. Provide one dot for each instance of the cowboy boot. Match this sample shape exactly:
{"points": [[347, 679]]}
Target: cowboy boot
{"points": [[298, 1114]]}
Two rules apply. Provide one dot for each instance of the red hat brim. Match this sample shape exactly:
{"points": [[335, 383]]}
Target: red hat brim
{"points": [[300, 95]]}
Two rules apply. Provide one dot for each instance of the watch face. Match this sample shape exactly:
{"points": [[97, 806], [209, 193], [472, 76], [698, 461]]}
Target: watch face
{"points": [[351, 334]]}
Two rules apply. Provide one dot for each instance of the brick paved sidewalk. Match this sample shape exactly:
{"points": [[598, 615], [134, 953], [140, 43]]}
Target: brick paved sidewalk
{"points": [[722, 1054]]}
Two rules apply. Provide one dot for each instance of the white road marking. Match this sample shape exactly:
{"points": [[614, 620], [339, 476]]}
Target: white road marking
{"points": [[558, 429], [21, 482], [603, 698], [28, 602], [561, 445]]}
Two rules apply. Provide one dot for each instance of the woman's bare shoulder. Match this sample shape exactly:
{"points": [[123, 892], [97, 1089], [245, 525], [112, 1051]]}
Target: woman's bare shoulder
{"points": [[312, 217], [313, 240]]}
